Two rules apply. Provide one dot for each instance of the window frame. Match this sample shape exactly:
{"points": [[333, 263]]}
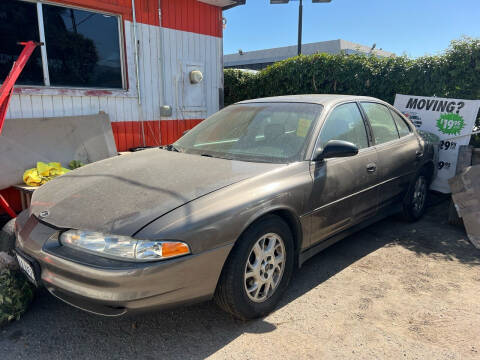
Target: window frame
{"points": [[44, 54], [371, 128], [402, 117], [368, 130]]}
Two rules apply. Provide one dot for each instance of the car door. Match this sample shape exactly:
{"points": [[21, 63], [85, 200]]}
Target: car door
{"points": [[398, 150], [343, 191]]}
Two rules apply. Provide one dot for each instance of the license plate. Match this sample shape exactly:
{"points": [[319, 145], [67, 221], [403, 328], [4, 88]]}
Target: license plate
{"points": [[27, 269]]}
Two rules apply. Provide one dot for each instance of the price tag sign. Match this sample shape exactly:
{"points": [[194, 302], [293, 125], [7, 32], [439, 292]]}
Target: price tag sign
{"points": [[452, 120], [303, 127]]}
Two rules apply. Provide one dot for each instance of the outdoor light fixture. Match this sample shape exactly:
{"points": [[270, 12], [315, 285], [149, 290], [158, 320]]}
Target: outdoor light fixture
{"points": [[196, 77], [300, 17]]}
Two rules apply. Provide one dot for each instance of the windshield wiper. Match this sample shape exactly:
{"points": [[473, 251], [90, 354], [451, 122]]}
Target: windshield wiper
{"points": [[172, 147], [216, 156]]}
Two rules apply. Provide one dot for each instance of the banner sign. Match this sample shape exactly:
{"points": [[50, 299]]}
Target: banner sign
{"points": [[452, 120]]}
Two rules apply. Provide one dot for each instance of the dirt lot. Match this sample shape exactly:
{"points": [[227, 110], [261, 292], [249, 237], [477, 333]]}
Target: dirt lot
{"points": [[395, 290]]}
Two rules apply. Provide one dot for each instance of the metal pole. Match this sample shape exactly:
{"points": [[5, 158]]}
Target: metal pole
{"points": [[135, 39], [137, 72], [300, 23], [43, 48]]}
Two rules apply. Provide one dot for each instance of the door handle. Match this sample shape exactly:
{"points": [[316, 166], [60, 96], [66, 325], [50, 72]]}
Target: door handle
{"points": [[419, 153], [372, 167]]}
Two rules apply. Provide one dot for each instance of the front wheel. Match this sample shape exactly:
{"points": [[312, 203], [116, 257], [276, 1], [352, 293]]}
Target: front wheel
{"points": [[416, 199], [258, 270]]}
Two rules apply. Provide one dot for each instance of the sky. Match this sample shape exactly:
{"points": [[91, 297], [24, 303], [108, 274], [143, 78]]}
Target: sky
{"points": [[410, 27]]}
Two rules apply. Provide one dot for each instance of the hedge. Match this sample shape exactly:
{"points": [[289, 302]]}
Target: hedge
{"points": [[454, 73], [16, 293]]}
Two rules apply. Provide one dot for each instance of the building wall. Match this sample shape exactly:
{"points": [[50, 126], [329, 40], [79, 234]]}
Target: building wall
{"points": [[260, 59], [190, 33]]}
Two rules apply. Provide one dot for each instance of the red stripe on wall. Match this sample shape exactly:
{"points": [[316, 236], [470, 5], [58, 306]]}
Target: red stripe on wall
{"points": [[185, 15], [146, 11], [192, 16], [128, 134], [172, 130]]}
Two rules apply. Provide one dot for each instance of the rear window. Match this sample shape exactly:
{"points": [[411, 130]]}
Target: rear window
{"points": [[403, 128], [381, 121]]}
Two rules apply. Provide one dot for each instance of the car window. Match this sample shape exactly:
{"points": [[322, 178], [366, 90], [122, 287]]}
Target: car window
{"points": [[345, 123], [268, 132], [403, 128], [381, 121]]}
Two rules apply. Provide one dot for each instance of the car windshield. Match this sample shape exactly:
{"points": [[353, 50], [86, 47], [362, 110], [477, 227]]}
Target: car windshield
{"points": [[263, 132]]}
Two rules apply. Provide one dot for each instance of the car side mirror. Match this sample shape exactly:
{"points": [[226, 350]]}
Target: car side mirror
{"points": [[336, 149]]}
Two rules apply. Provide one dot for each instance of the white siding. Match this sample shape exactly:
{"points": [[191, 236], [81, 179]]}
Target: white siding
{"points": [[179, 48]]}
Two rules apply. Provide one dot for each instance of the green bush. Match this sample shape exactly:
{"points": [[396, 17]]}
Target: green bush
{"points": [[16, 293], [454, 73]]}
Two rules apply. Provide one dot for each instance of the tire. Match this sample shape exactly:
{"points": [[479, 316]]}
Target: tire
{"points": [[7, 236], [236, 290], [415, 202]]}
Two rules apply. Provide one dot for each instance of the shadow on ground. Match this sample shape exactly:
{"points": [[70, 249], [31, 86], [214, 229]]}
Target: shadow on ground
{"points": [[54, 330], [432, 236]]}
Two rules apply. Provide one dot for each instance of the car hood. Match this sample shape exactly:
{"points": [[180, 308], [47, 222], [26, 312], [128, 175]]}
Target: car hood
{"points": [[121, 195]]}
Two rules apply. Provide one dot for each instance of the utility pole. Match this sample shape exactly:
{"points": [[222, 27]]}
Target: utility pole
{"points": [[300, 27], [300, 17]]}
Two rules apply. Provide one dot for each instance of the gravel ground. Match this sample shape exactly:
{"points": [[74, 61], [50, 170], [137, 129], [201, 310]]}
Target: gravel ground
{"points": [[394, 290]]}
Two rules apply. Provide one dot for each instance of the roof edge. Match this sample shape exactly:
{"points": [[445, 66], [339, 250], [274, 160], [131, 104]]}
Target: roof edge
{"points": [[237, 3], [224, 4]]}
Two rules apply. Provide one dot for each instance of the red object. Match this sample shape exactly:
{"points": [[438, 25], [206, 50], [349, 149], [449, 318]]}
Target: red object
{"points": [[7, 86], [4, 204], [6, 94], [128, 134], [12, 196]]}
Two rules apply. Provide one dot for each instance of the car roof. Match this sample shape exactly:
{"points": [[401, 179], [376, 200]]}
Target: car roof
{"points": [[322, 99]]}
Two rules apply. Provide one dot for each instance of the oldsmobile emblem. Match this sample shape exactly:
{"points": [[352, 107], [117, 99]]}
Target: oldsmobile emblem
{"points": [[44, 214]]}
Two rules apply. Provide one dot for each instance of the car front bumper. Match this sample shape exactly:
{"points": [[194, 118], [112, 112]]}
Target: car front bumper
{"points": [[113, 288]]}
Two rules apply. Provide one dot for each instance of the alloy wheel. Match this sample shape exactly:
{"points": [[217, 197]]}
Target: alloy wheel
{"points": [[419, 194], [264, 268]]}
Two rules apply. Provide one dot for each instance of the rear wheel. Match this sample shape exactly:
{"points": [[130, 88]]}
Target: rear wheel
{"points": [[258, 270], [416, 200]]}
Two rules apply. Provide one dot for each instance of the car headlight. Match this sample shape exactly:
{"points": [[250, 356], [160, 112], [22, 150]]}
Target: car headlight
{"points": [[123, 247]]}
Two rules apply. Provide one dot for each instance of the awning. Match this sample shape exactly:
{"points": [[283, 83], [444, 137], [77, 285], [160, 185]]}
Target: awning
{"points": [[224, 4]]}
